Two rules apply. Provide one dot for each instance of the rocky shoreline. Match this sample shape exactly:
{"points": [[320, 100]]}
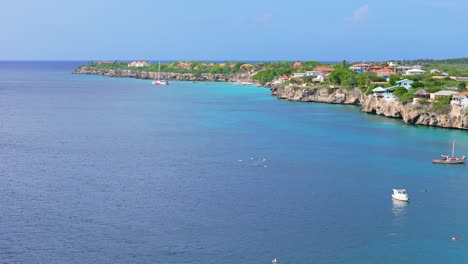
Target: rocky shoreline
{"points": [[416, 114], [150, 75]]}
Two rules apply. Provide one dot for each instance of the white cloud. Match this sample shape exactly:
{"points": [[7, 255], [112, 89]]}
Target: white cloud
{"points": [[359, 14]]}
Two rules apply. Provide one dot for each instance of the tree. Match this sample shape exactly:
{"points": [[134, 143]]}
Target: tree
{"points": [[343, 63], [310, 64], [417, 84], [399, 91], [462, 86], [394, 79]]}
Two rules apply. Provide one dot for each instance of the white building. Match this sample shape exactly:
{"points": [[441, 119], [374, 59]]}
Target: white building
{"points": [[139, 64], [443, 93], [415, 72], [299, 75]]}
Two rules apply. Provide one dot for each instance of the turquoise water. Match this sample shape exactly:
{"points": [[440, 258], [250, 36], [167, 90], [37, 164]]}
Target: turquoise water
{"points": [[106, 170]]}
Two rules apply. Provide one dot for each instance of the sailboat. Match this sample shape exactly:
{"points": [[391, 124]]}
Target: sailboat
{"points": [[447, 159], [159, 81]]}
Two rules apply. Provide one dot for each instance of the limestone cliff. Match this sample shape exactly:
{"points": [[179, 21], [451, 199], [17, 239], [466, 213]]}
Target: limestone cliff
{"points": [[418, 114], [150, 75]]}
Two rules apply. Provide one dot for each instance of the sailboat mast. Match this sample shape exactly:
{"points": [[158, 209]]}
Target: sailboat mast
{"points": [[159, 69], [453, 148]]}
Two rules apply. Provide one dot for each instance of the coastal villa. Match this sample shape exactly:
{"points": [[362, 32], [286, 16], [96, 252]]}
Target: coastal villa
{"points": [[392, 64], [405, 83], [384, 72], [415, 72], [297, 65], [460, 99], [139, 64], [401, 70], [443, 93], [360, 68]]}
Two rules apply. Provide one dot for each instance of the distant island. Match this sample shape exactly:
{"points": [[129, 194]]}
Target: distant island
{"points": [[424, 92]]}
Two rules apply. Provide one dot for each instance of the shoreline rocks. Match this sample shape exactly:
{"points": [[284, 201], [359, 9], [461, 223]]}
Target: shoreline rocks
{"points": [[150, 75], [416, 114]]}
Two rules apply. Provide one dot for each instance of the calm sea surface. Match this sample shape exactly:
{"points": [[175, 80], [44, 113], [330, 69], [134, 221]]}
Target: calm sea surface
{"points": [[106, 170]]}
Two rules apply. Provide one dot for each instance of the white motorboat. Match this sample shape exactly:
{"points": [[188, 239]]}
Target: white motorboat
{"points": [[400, 195]]}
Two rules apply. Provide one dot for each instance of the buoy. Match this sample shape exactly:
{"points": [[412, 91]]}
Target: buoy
{"points": [[454, 238]]}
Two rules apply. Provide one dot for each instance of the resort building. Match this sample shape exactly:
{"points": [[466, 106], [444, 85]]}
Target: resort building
{"points": [[139, 64], [360, 68], [439, 94], [405, 83]]}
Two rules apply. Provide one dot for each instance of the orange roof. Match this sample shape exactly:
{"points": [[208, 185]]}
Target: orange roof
{"points": [[297, 64], [361, 65], [323, 69]]}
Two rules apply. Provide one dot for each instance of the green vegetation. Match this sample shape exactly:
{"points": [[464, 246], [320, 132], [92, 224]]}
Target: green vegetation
{"points": [[442, 105], [454, 67]]}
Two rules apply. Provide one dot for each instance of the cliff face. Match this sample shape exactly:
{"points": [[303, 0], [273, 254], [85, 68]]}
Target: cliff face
{"points": [[455, 117], [164, 75]]}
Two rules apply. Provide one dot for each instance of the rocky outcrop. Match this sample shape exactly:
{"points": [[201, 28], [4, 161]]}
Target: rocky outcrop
{"points": [[150, 75], [418, 114]]}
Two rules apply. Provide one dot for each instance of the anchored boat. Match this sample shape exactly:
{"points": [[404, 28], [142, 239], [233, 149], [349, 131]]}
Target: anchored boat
{"points": [[400, 195], [447, 159], [159, 81]]}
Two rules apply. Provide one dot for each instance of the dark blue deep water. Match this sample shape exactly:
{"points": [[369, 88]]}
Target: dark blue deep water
{"points": [[106, 170]]}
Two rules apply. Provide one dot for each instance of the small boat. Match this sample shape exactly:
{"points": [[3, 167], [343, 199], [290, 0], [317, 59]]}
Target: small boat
{"points": [[447, 159], [400, 195], [158, 81]]}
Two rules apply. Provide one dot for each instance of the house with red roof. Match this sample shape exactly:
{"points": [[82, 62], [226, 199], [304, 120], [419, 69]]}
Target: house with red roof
{"points": [[324, 69]]}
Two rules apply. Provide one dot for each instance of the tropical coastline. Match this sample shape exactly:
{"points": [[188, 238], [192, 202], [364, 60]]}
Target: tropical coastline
{"points": [[432, 97]]}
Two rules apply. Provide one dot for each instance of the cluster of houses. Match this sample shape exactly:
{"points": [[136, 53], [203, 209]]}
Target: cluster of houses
{"points": [[139, 64], [391, 69], [457, 98], [321, 73]]}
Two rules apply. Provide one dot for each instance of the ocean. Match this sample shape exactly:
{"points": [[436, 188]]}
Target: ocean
{"points": [[108, 170]]}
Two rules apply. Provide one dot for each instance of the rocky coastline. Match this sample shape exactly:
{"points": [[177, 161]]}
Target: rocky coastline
{"points": [[416, 114], [151, 75]]}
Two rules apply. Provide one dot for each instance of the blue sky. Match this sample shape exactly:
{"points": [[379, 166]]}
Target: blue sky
{"points": [[233, 30]]}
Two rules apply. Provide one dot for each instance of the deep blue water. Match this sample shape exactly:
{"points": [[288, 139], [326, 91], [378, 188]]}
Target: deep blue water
{"points": [[106, 170]]}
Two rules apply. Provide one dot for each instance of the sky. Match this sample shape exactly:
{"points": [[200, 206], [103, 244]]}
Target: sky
{"points": [[249, 30]]}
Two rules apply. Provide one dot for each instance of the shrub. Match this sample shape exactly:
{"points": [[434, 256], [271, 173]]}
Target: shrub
{"points": [[442, 105]]}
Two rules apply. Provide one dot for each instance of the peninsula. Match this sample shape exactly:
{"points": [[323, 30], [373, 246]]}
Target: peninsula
{"points": [[422, 92]]}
